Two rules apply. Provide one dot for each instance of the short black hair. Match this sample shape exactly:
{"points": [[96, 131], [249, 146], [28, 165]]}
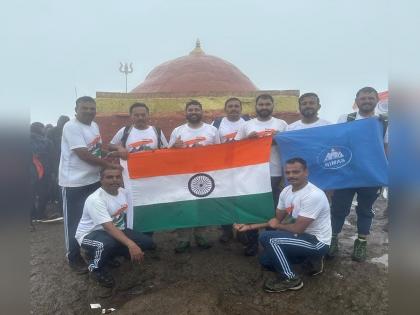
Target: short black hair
{"points": [[37, 127], [103, 169], [367, 89], [138, 105], [233, 99], [193, 102], [264, 97], [297, 160], [85, 99], [309, 94]]}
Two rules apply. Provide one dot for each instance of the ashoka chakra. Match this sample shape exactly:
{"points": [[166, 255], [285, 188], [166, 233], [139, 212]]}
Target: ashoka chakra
{"points": [[201, 185]]}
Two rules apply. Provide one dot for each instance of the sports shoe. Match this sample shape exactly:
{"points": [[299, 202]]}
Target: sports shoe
{"points": [[202, 242], [315, 265], [277, 285], [103, 278], [182, 247], [251, 250], [226, 236], [113, 263], [359, 250], [242, 238], [333, 247], [79, 268]]}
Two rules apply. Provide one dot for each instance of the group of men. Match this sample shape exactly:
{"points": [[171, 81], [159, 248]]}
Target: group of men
{"points": [[95, 204]]}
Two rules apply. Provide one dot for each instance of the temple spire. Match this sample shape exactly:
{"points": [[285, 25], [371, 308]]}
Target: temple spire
{"points": [[197, 50]]}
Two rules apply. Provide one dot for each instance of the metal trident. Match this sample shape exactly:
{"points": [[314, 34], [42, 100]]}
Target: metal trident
{"points": [[126, 69]]}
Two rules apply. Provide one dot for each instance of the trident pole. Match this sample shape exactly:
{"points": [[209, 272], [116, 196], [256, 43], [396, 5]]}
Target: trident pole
{"points": [[126, 69]]}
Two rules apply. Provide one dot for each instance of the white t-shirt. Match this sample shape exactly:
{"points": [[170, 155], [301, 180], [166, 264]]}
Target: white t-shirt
{"points": [[343, 119], [309, 202], [266, 128], [204, 135], [229, 129], [74, 172], [298, 125], [140, 140], [101, 207]]}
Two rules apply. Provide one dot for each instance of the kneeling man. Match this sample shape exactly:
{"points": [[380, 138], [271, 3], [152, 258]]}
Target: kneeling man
{"points": [[302, 230], [102, 230]]}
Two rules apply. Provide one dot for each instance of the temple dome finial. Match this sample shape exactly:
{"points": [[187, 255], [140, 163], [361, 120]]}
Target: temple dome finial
{"points": [[197, 50]]}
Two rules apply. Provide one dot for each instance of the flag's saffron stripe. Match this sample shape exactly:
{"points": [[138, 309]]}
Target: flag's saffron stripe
{"points": [[256, 208], [199, 159]]}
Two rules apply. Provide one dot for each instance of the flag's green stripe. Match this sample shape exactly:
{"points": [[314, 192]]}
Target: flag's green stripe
{"points": [[255, 208]]}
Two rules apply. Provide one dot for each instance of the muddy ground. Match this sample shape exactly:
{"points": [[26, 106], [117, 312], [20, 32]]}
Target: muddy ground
{"points": [[215, 281]]}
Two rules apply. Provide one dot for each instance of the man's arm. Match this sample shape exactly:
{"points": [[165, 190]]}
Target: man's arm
{"points": [[281, 214], [88, 157], [117, 151], [136, 253], [298, 227]]}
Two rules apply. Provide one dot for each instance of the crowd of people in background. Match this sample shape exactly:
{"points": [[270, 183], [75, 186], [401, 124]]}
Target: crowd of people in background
{"points": [[46, 151]]}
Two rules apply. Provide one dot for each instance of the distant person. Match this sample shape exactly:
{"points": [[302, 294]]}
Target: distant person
{"points": [[228, 128], [55, 135], [103, 232], [366, 100], [192, 134], [302, 230], [264, 125], [78, 176], [41, 149], [309, 107]]}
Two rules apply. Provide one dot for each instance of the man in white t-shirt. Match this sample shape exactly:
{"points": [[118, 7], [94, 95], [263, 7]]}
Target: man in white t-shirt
{"points": [[231, 124], [78, 175], [264, 125], [102, 230], [302, 230], [228, 128], [139, 135], [366, 100], [192, 134], [309, 106]]}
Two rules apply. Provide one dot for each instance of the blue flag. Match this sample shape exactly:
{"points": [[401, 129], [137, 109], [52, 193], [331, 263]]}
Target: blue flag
{"points": [[339, 156]]}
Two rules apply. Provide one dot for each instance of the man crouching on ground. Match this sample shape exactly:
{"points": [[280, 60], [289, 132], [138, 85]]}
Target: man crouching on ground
{"points": [[302, 230], [102, 230]]}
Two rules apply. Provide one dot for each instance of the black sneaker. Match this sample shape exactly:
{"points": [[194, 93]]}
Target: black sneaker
{"points": [[103, 278], [202, 242], [251, 250], [276, 285], [226, 236], [314, 265], [79, 268], [113, 263]]}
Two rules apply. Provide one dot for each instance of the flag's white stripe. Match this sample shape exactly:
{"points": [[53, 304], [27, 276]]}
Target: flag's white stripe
{"points": [[238, 181]]}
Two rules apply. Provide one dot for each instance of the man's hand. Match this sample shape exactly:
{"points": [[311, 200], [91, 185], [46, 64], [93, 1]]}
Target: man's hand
{"points": [[122, 153], [253, 135], [274, 223], [136, 254], [179, 143], [241, 227]]}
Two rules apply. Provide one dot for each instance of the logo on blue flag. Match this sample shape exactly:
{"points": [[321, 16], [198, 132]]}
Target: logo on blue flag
{"points": [[335, 157], [346, 155]]}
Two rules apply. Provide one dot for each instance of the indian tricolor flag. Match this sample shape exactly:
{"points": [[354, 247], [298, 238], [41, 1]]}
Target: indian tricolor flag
{"points": [[201, 186]]}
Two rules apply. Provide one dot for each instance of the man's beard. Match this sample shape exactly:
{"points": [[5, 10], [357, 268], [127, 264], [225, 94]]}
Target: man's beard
{"points": [[194, 118], [309, 113], [264, 113]]}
